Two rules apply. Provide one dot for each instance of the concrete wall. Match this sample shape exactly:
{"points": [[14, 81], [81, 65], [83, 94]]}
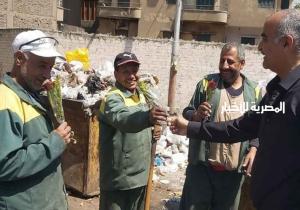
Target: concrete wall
{"points": [[196, 58]]}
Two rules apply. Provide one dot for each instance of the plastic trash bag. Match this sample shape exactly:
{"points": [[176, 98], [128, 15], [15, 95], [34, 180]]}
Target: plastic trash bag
{"points": [[79, 54]]}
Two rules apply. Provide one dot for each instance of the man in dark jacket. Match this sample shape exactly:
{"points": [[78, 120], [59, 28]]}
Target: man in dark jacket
{"points": [[125, 139], [276, 121], [30, 150]]}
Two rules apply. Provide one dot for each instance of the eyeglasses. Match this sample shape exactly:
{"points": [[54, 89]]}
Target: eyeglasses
{"points": [[41, 40]]}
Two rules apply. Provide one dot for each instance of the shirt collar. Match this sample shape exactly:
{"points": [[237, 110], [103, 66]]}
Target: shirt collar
{"points": [[126, 92], [273, 83], [20, 91], [291, 78]]}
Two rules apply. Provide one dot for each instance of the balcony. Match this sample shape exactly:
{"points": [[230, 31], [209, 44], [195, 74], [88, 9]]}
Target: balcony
{"points": [[196, 11], [119, 9]]}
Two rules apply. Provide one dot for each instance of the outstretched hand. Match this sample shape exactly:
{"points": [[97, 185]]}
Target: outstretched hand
{"points": [[157, 115], [178, 125]]}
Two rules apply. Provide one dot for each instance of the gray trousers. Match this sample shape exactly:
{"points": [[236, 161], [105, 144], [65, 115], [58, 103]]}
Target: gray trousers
{"points": [[133, 199], [206, 189]]}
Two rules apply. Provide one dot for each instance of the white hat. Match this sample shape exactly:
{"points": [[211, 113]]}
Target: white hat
{"points": [[36, 42]]}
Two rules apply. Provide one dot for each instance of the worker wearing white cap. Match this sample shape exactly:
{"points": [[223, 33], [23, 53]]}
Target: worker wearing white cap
{"points": [[30, 149]]}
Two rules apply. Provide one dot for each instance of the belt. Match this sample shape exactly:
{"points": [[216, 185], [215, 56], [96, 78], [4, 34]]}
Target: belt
{"points": [[217, 167]]}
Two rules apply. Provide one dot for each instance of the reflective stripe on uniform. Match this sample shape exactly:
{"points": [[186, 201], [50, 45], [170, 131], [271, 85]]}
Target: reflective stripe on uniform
{"points": [[257, 91], [134, 100], [13, 103]]}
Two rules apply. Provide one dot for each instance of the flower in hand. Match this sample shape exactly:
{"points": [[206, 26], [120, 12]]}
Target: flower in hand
{"points": [[211, 86], [47, 85]]}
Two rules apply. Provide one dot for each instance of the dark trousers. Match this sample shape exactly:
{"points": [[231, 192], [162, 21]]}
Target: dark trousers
{"points": [[133, 199], [206, 189]]}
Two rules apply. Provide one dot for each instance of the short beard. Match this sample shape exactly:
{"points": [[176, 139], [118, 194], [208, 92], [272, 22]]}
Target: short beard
{"points": [[229, 82], [28, 82]]}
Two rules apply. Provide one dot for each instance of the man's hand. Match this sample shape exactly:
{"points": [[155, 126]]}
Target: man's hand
{"points": [[247, 166], [65, 132], [203, 111], [178, 125], [157, 115]]}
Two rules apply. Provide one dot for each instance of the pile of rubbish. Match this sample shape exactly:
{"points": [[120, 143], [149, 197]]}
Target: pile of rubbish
{"points": [[89, 86], [171, 154]]}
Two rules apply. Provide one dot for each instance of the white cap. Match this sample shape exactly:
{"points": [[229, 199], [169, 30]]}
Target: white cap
{"points": [[36, 42]]}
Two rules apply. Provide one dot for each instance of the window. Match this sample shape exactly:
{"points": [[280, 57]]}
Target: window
{"points": [[202, 37], [171, 1], [60, 3], [88, 9], [121, 27], [248, 40], [266, 3], [205, 4], [121, 32], [166, 34], [285, 4], [123, 3], [122, 24]]}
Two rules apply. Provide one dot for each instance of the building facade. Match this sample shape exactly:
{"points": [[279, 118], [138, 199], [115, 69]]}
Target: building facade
{"points": [[201, 20], [42, 14]]}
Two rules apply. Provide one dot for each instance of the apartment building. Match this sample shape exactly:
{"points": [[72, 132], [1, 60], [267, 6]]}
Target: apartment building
{"points": [[201, 20]]}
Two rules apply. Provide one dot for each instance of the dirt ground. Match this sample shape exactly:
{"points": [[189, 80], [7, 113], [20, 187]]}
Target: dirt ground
{"points": [[165, 195]]}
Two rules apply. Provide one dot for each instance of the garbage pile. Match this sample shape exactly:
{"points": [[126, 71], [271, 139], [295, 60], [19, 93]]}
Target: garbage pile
{"points": [[79, 84], [171, 154]]}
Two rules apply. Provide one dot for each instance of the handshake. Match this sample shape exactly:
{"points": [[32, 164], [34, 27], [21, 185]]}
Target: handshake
{"points": [[160, 116]]}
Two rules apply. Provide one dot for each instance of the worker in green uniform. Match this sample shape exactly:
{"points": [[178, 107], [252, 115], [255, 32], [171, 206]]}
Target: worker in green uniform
{"points": [[30, 150], [213, 175], [125, 139]]}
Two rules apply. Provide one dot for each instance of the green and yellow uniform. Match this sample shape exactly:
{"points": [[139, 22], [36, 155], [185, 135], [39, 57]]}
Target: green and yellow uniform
{"points": [[30, 167], [125, 146]]}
